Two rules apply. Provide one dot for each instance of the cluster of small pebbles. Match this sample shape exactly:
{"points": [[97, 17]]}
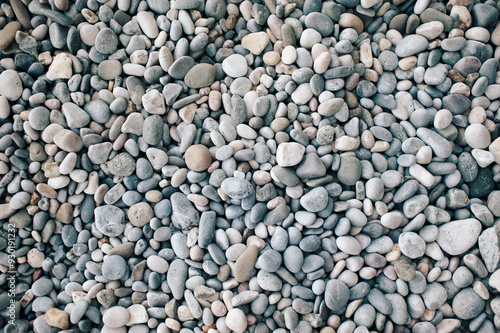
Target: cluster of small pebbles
{"points": [[217, 166]]}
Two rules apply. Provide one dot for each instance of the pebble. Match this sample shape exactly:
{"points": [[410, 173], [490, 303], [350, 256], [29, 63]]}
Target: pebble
{"points": [[467, 304], [116, 317], [411, 245], [106, 41], [289, 154], [236, 320], [410, 45], [237, 188], [57, 318], [68, 141], [235, 65], [477, 136], [336, 295], [459, 236], [255, 42], [114, 267], [140, 214], [197, 158], [489, 248], [110, 220], [201, 75]]}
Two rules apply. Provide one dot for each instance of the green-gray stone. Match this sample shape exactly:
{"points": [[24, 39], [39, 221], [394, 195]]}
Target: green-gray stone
{"points": [[122, 165], [152, 130], [106, 298], [350, 170], [431, 14]]}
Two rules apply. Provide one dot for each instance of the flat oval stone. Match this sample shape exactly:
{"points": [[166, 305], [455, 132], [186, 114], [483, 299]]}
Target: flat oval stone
{"points": [[201, 75], [410, 45], [106, 41], [245, 264], [336, 295], [68, 141], [181, 67], [457, 237], [441, 147], [109, 69], [467, 304]]}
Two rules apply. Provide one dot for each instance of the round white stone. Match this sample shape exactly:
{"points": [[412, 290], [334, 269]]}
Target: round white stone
{"points": [[235, 65]]}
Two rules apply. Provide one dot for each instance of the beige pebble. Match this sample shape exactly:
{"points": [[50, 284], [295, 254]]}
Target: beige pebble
{"points": [[35, 258], [477, 115], [322, 62], [197, 158], [57, 318], [407, 63], [271, 58], [348, 20], [478, 33]]}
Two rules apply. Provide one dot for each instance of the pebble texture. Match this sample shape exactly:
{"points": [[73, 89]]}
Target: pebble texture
{"points": [[251, 166]]}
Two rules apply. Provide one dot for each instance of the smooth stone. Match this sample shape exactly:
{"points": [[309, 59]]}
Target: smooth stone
{"points": [[201, 75], [350, 170], [115, 317], [147, 23], [184, 215], [411, 245], [176, 278], [68, 141], [302, 94], [11, 86], [140, 214], [336, 295], [114, 267], [255, 42], [245, 264], [57, 318], [106, 41], [331, 107], [197, 158], [434, 296], [477, 136], [410, 45], [457, 237], [489, 247], [289, 154], [235, 65], [75, 116], [236, 320], [467, 304], [441, 147], [315, 200]]}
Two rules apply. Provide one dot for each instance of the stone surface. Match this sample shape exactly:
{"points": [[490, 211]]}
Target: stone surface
{"points": [[198, 158], [457, 237]]}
